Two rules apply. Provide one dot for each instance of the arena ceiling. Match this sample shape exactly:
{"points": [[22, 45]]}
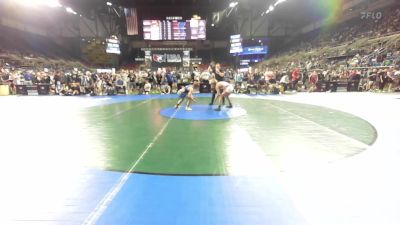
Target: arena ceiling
{"points": [[295, 13], [298, 11]]}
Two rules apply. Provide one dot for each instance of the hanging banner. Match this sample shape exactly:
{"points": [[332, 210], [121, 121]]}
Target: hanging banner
{"points": [[167, 58], [161, 59], [147, 58], [255, 50], [186, 58]]}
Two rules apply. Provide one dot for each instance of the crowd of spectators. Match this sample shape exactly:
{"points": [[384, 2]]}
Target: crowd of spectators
{"points": [[82, 81], [347, 32], [356, 65], [381, 73]]}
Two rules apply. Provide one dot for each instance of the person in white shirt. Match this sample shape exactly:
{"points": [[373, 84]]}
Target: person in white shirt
{"points": [[284, 82], [223, 89], [147, 87]]}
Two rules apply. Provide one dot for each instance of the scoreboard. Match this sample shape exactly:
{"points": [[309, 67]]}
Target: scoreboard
{"points": [[236, 44], [157, 30]]}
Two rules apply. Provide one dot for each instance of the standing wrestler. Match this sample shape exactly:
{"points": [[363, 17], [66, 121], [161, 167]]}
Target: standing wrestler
{"points": [[218, 76], [224, 89]]}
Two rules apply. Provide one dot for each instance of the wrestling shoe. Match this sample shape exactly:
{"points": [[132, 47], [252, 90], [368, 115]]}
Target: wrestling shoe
{"points": [[229, 107], [217, 109], [188, 109]]}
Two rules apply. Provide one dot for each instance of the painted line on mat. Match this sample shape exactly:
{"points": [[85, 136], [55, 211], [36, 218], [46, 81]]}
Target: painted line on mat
{"points": [[323, 127], [109, 197], [128, 109]]}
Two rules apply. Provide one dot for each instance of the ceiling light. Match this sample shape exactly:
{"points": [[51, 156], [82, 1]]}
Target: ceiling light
{"points": [[109, 3], [69, 10], [279, 2], [53, 3], [50, 3], [271, 8], [233, 4]]}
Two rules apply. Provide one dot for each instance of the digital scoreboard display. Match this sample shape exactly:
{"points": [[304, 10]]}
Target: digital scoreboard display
{"points": [[236, 44], [158, 30], [113, 46]]}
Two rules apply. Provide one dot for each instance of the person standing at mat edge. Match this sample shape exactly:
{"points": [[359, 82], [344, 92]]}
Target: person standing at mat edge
{"points": [[226, 89], [218, 76], [187, 92]]}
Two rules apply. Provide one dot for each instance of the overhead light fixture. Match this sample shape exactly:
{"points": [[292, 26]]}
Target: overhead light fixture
{"points": [[70, 10], [233, 4], [49, 3], [279, 2], [212, 25], [109, 3], [53, 3], [271, 8]]}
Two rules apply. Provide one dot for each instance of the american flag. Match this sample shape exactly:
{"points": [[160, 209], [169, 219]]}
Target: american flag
{"points": [[131, 21]]}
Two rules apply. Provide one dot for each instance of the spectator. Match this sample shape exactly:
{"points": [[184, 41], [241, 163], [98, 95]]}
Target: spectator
{"points": [[284, 83], [147, 87], [295, 78]]}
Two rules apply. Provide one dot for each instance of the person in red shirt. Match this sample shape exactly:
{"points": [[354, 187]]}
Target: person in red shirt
{"points": [[313, 81], [295, 78]]}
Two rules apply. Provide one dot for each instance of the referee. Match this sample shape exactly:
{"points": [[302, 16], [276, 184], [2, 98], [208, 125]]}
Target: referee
{"points": [[218, 75]]}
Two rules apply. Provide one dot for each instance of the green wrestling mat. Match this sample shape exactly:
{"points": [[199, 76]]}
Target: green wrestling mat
{"points": [[282, 134]]}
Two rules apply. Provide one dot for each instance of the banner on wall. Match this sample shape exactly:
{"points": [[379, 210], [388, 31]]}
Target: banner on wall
{"points": [[167, 58], [254, 50], [147, 58], [161, 59], [186, 58]]}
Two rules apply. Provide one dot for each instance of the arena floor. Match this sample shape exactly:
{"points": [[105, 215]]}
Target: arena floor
{"points": [[306, 158]]}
